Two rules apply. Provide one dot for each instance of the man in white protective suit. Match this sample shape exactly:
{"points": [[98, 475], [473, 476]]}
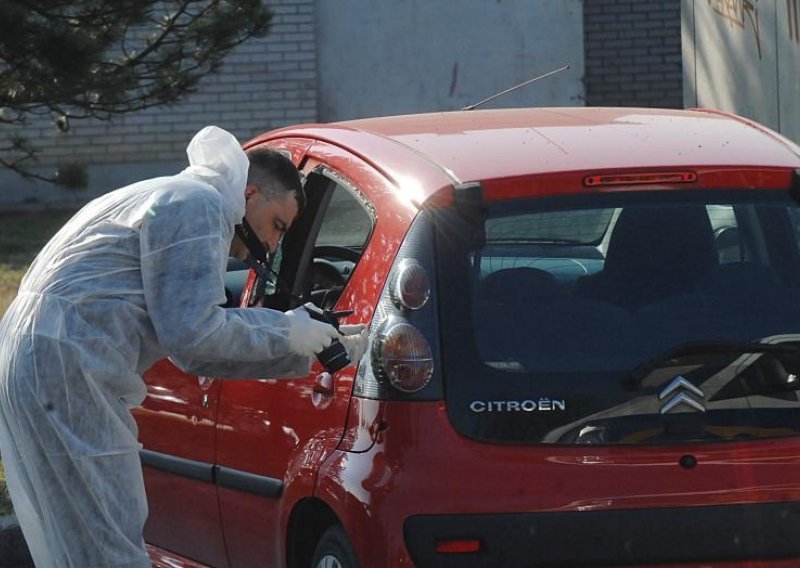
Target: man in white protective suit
{"points": [[133, 277]]}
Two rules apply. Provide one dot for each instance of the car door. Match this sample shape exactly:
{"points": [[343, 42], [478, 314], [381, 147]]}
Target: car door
{"points": [[271, 434], [176, 429]]}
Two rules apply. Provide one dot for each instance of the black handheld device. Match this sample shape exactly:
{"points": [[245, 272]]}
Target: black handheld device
{"points": [[334, 356]]}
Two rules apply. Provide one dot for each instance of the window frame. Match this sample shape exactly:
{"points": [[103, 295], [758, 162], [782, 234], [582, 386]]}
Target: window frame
{"points": [[297, 247]]}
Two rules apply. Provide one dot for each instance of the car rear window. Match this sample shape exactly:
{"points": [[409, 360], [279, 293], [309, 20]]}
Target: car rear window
{"points": [[585, 227], [623, 318]]}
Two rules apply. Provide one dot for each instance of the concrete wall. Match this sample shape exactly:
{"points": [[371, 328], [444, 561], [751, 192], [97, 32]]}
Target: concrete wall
{"points": [[264, 84], [633, 53], [743, 56], [327, 60], [409, 56]]}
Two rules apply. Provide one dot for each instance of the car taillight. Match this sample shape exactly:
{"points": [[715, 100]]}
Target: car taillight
{"points": [[404, 333], [411, 287], [402, 356]]}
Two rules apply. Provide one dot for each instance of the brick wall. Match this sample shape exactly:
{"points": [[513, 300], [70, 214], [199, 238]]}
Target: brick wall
{"points": [[264, 84], [633, 53]]}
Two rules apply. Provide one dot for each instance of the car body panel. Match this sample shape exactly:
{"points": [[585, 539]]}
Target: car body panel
{"points": [[413, 175], [176, 422], [295, 147], [257, 427], [164, 559], [509, 143], [373, 493]]}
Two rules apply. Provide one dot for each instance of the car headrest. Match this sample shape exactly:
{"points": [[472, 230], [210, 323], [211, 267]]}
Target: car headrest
{"points": [[516, 286], [676, 240]]}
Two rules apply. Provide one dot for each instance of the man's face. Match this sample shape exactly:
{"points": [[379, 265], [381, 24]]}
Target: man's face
{"points": [[270, 219]]}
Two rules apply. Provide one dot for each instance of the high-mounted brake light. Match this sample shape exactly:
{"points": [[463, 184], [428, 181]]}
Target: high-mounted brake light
{"points": [[639, 178]]}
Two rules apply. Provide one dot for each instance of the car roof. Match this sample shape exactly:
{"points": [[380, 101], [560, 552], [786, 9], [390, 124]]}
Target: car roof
{"points": [[493, 144]]}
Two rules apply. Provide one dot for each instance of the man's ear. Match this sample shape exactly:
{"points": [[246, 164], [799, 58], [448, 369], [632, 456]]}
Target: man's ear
{"points": [[249, 191]]}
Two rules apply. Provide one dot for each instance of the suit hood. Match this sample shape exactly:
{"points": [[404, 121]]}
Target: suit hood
{"points": [[217, 158]]}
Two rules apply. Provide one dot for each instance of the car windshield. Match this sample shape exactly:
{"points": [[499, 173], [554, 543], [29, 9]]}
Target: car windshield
{"points": [[623, 318]]}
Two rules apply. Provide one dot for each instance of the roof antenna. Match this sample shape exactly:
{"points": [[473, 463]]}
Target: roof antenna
{"points": [[553, 72]]}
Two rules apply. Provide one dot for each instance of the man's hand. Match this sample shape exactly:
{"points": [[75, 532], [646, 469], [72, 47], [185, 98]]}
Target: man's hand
{"points": [[307, 336], [355, 339]]}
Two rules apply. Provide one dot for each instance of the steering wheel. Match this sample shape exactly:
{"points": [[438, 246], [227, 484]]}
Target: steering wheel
{"points": [[325, 274], [327, 279], [337, 251]]}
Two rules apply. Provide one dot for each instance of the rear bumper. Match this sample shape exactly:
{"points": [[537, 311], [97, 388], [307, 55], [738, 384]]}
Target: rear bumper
{"points": [[722, 533], [421, 481]]}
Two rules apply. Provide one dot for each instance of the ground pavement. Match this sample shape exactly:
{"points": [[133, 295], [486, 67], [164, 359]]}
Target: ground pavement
{"points": [[13, 550]]}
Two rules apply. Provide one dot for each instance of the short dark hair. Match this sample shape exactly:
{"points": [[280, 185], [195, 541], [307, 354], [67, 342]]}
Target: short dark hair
{"points": [[271, 171]]}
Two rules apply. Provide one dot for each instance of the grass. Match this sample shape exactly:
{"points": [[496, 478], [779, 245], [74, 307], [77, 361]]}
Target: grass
{"points": [[22, 235], [5, 502]]}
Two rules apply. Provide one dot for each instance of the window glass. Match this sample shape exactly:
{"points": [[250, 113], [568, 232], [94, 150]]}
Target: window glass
{"points": [[344, 231], [794, 216], [580, 227], [587, 301], [346, 222], [726, 233]]}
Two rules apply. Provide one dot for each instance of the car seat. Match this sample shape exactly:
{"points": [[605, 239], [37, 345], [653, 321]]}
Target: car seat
{"points": [[512, 288], [527, 317], [654, 252], [507, 301]]}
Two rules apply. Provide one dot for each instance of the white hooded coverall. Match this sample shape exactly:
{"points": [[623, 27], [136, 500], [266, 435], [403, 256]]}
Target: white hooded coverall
{"points": [[133, 277]]}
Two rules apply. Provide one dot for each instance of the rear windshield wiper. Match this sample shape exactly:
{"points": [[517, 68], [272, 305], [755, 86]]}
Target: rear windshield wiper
{"points": [[633, 381]]}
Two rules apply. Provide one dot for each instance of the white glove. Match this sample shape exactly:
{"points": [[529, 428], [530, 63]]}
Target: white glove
{"points": [[355, 339], [307, 336]]}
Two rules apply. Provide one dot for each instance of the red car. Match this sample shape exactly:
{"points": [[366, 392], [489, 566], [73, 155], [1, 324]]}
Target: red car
{"points": [[585, 351]]}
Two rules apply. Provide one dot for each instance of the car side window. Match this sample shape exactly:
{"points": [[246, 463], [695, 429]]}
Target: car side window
{"points": [[343, 233], [346, 223], [320, 251]]}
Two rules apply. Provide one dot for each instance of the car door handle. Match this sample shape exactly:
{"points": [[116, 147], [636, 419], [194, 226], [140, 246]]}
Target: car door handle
{"points": [[323, 384], [205, 384]]}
